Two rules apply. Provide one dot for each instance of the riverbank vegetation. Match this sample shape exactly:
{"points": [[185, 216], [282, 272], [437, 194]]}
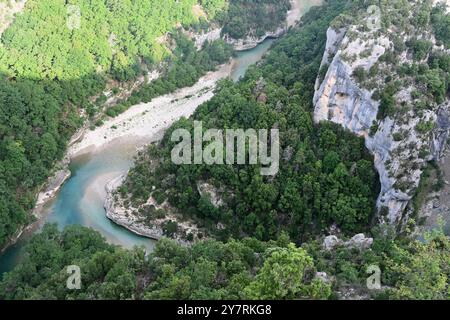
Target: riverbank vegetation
{"points": [[56, 59], [187, 65]]}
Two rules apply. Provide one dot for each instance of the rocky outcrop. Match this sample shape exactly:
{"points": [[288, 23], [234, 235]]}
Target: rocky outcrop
{"points": [[352, 293], [334, 39], [118, 214], [359, 241], [54, 184], [398, 148], [208, 36], [331, 242], [129, 217], [250, 42]]}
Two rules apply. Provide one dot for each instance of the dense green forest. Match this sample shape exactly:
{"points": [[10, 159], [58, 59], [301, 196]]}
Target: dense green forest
{"points": [[326, 174], [207, 270], [244, 269], [49, 72], [326, 177]]}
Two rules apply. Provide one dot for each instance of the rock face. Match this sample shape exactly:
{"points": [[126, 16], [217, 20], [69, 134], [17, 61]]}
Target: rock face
{"points": [[340, 98], [211, 35], [358, 241], [119, 216], [251, 41], [331, 242], [128, 217]]}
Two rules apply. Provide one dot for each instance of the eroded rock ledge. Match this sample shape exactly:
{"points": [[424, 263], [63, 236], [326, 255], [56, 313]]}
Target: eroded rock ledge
{"points": [[129, 217]]}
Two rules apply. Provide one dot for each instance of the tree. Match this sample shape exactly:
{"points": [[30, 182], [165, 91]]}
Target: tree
{"points": [[283, 277], [421, 270]]}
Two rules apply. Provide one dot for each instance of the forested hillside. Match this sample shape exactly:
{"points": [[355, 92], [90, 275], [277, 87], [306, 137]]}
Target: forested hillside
{"points": [[51, 65], [243, 269], [326, 175]]}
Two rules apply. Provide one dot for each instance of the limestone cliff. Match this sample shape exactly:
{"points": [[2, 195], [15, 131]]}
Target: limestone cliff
{"points": [[401, 141]]}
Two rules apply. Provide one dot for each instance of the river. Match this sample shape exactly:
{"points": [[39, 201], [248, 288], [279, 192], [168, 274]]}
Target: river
{"points": [[80, 200]]}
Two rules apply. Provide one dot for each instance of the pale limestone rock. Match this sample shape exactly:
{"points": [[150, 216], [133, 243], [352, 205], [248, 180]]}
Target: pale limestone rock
{"points": [[359, 241], [323, 276], [331, 242], [207, 189], [209, 36], [127, 217]]}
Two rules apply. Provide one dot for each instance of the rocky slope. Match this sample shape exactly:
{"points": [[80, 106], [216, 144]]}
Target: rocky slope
{"points": [[129, 217], [358, 69]]}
